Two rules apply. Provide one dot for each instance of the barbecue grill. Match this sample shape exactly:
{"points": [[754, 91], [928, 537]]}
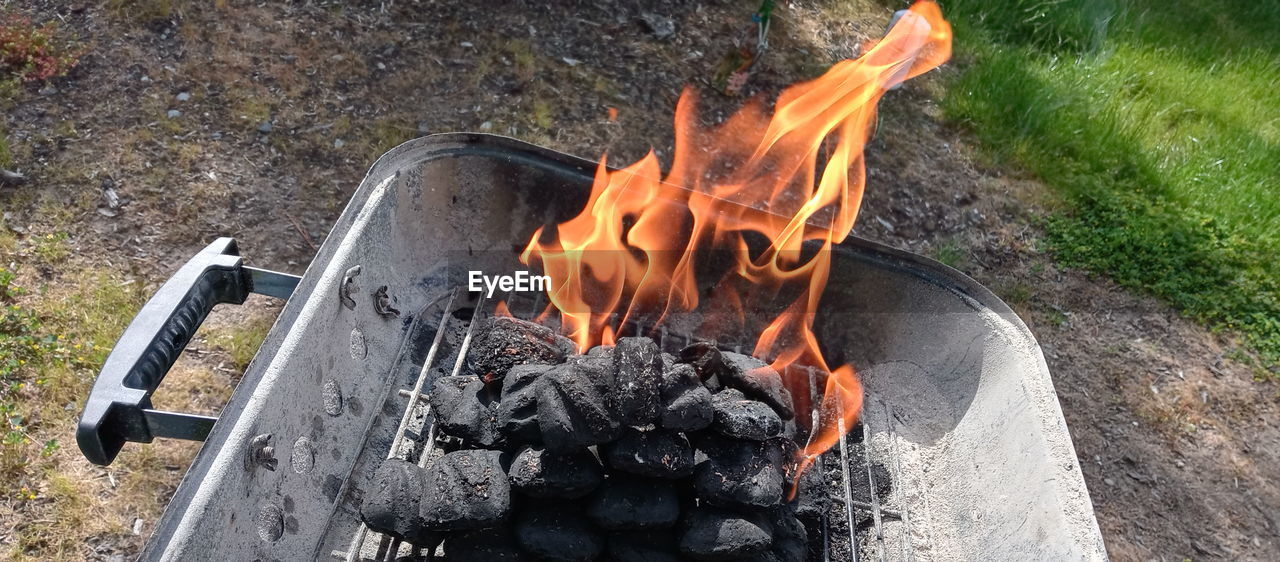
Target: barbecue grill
{"points": [[961, 451]]}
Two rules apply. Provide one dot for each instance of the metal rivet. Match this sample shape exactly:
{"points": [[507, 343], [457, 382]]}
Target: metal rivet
{"points": [[270, 522], [359, 348], [332, 396], [303, 458]]}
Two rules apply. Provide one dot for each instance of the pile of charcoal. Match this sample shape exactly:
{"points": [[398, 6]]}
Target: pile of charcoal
{"points": [[622, 453]]}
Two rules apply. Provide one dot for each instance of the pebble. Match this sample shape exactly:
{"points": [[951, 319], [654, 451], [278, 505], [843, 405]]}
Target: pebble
{"points": [[183, 96], [173, 113], [265, 127]]}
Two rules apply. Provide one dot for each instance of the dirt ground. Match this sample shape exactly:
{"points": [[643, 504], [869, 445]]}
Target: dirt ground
{"points": [[281, 108]]}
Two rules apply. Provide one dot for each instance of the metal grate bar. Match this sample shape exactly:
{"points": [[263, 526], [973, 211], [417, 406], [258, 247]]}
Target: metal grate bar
{"points": [[871, 487], [848, 490], [820, 464], [415, 396]]}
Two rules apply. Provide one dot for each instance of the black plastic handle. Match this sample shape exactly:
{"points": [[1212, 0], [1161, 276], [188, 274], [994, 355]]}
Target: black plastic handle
{"points": [[119, 407]]}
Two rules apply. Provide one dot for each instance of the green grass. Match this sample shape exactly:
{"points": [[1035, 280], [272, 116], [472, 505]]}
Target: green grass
{"points": [[1158, 123]]}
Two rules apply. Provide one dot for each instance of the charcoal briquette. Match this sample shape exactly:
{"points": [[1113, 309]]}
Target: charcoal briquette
{"points": [[743, 418], [638, 379], [623, 503], [686, 403], [497, 543], [598, 367], [790, 539], [757, 380], [707, 361], [517, 414], [719, 534], [466, 490], [539, 473], [504, 342], [391, 504], [463, 408], [643, 546], [655, 453], [737, 473], [573, 413], [558, 532]]}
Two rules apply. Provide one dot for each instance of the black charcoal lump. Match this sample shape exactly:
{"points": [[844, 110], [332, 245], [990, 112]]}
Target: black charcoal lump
{"points": [[638, 379], [718, 534], [790, 539], [558, 532], [740, 417], [756, 380], [391, 507], [517, 415], [735, 473], [463, 409], [643, 546], [573, 412], [539, 473], [493, 544], [466, 490], [622, 504], [707, 361], [655, 453], [686, 403], [504, 342]]}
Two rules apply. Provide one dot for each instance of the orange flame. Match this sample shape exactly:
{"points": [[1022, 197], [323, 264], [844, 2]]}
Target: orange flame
{"points": [[501, 309], [634, 248]]}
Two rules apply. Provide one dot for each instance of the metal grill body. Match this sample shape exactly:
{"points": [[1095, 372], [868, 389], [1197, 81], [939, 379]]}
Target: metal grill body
{"points": [[961, 430]]}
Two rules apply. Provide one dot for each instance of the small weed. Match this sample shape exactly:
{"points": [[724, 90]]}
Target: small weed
{"points": [[1016, 294], [542, 114], [1057, 317], [141, 11], [30, 52], [51, 248], [949, 253], [386, 134], [6, 156]]}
